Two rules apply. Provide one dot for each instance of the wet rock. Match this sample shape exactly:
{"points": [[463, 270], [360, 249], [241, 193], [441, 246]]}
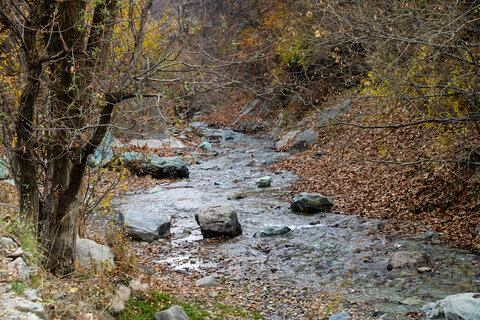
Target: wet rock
{"points": [[464, 306], [229, 138], [339, 316], [272, 231], [14, 307], [145, 227], [264, 182], [215, 138], [208, 281], [286, 139], [103, 155], [237, 196], [311, 203], [304, 140], [19, 269], [88, 252], [4, 169], [404, 259], [174, 313], [317, 154], [217, 220], [254, 163], [411, 301], [157, 167], [205, 145]]}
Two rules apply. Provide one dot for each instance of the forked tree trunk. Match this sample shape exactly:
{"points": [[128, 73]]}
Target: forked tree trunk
{"points": [[60, 211]]}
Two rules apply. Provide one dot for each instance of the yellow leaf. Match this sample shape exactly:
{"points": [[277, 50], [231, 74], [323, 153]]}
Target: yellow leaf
{"points": [[73, 290]]}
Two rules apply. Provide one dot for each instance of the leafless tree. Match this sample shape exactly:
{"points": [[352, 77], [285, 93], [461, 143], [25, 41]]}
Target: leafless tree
{"points": [[66, 73]]}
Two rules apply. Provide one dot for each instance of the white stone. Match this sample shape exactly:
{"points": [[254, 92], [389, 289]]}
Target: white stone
{"points": [[464, 306], [88, 252]]}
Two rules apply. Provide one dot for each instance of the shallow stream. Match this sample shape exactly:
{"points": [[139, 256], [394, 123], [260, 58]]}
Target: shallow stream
{"points": [[322, 252]]}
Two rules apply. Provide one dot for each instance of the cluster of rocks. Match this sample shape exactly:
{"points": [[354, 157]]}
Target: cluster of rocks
{"points": [[14, 305], [459, 306], [217, 220], [138, 163]]}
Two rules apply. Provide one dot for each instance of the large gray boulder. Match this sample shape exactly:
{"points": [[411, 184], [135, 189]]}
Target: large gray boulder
{"points": [[405, 259], [311, 203], [174, 313], [272, 231], [216, 220], [304, 140], [145, 227], [464, 306], [88, 252], [14, 307], [157, 167]]}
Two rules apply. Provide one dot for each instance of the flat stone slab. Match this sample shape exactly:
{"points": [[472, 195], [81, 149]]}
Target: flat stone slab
{"points": [[145, 227]]}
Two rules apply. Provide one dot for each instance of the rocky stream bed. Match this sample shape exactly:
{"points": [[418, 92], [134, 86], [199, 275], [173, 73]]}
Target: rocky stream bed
{"points": [[322, 254]]}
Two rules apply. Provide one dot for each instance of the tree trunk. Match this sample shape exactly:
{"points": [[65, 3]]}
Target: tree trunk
{"points": [[59, 240]]}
